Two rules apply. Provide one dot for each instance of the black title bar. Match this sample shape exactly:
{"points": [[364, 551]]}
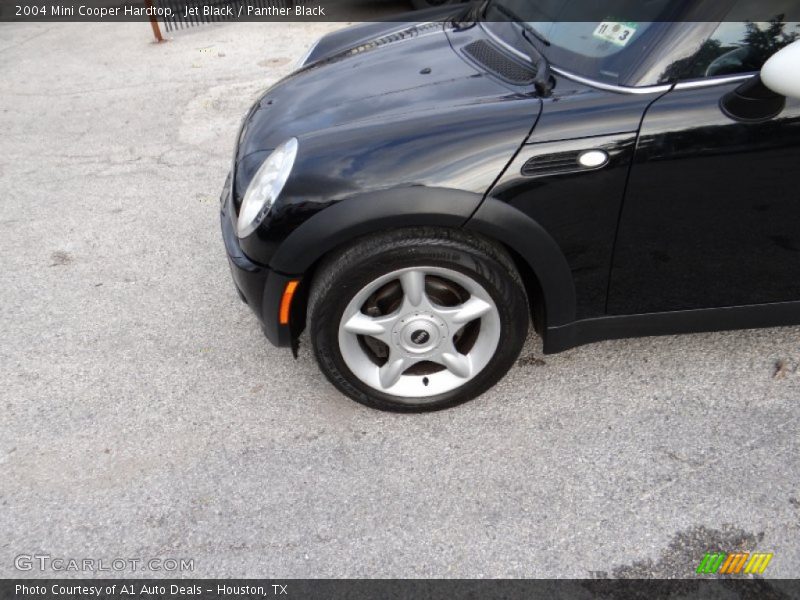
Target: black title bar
{"points": [[353, 10], [388, 589]]}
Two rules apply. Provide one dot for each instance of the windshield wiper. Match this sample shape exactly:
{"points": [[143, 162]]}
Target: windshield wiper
{"points": [[535, 33], [543, 80], [467, 17], [515, 18]]}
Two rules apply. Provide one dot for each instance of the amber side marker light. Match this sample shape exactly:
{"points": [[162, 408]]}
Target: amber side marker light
{"points": [[286, 301]]}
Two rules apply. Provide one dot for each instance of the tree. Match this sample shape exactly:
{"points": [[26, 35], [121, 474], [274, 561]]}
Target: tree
{"points": [[750, 54]]}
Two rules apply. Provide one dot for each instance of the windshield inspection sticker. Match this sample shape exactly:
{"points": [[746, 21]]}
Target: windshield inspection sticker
{"points": [[618, 34]]}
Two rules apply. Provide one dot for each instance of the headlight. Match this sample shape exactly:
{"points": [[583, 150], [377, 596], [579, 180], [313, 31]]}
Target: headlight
{"points": [[265, 187]]}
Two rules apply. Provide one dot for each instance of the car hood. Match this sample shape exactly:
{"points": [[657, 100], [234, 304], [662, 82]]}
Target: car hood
{"points": [[400, 72]]}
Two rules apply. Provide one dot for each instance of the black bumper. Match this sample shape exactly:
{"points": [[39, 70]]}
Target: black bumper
{"points": [[259, 287]]}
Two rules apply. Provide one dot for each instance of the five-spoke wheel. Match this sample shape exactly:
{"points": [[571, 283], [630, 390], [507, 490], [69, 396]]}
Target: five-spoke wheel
{"points": [[419, 331], [419, 320]]}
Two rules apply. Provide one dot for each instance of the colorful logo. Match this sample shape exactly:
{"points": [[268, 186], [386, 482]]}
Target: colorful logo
{"points": [[734, 564]]}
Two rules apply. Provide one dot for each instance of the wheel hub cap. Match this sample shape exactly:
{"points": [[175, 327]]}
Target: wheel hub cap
{"points": [[418, 334]]}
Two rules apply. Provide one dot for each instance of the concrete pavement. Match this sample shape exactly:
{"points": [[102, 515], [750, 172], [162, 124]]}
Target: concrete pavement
{"points": [[144, 415]]}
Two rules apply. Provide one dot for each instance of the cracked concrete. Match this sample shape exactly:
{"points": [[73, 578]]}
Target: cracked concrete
{"points": [[144, 415]]}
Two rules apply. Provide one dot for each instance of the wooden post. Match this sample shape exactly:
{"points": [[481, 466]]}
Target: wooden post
{"points": [[154, 21]]}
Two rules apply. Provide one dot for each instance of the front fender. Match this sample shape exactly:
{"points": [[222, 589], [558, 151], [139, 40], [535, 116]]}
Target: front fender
{"points": [[516, 230], [370, 213], [420, 206]]}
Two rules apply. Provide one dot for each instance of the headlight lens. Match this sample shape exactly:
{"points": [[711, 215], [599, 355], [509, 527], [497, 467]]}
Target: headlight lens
{"points": [[265, 187]]}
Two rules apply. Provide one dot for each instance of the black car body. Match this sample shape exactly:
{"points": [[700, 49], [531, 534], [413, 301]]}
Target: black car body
{"points": [[635, 198]]}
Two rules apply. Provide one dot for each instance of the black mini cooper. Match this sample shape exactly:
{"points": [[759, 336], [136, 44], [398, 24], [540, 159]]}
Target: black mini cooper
{"points": [[418, 192]]}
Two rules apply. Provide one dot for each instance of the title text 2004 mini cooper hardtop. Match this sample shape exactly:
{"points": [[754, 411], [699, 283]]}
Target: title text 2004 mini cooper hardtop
{"points": [[417, 192]]}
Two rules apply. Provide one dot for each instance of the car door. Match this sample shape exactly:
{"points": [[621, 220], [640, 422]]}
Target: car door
{"points": [[711, 216]]}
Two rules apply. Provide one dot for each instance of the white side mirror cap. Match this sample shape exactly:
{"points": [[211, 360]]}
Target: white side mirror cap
{"points": [[781, 73]]}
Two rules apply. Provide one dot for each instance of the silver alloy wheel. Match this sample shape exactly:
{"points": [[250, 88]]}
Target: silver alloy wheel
{"points": [[420, 331]]}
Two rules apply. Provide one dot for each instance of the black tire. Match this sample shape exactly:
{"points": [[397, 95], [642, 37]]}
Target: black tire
{"points": [[341, 276]]}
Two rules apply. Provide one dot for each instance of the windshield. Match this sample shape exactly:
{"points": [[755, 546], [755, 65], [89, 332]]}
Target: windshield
{"points": [[606, 49]]}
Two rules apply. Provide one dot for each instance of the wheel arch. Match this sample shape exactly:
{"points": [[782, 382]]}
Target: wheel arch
{"points": [[535, 249], [336, 226], [542, 265], [369, 213]]}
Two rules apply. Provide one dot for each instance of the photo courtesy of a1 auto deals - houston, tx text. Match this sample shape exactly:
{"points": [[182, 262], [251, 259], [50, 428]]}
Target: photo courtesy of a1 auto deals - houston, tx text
{"points": [[424, 299]]}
